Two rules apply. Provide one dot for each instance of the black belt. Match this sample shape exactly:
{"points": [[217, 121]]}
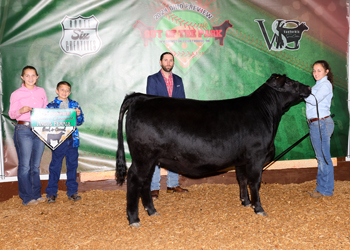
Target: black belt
{"points": [[316, 119], [24, 123]]}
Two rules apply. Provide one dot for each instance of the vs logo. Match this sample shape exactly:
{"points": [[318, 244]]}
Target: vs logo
{"points": [[283, 35]]}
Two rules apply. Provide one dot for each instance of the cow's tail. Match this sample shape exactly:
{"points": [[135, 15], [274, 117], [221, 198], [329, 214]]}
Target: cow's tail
{"points": [[121, 169]]}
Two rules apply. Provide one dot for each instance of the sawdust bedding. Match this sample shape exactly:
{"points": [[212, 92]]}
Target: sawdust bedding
{"points": [[208, 217]]}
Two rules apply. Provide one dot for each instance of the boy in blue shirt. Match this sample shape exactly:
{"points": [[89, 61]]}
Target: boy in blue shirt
{"points": [[68, 149]]}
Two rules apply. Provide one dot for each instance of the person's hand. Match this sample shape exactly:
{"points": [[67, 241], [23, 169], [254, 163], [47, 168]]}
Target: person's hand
{"points": [[25, 109], [77, 111]]}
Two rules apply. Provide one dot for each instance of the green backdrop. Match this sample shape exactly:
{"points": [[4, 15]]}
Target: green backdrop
{"points": [[126, 38]]}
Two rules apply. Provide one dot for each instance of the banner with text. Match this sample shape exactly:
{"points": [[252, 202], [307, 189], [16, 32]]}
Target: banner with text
{"points": [[53, 126], [223, 49]]}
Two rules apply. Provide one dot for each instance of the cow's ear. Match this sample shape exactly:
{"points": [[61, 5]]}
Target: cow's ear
{"points": [[273, 79], [280, 80]]}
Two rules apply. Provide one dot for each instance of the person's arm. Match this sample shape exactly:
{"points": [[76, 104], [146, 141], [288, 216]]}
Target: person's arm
{"points": [[16, 108], [51, 105], [151, 88], [79, 112], [80, 115], [179, 90], [44, 99], [182, 89], [320, 94]]}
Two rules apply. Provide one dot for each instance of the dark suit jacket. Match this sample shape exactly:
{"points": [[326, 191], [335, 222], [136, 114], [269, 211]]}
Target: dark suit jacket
{"points": [[156, 86]]}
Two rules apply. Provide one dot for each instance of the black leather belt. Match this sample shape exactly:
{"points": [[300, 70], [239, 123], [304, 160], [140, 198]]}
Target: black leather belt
{"points": [[316, 119], [24, 123]]}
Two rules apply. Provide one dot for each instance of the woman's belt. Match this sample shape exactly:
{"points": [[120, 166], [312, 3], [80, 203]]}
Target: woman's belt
{"points": [[316, 119], [24, 123]]}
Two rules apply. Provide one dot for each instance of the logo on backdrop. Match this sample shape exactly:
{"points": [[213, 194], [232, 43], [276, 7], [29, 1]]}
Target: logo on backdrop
{"points": [[80, 35], [286, 34], [53, 126], [183, 29]]}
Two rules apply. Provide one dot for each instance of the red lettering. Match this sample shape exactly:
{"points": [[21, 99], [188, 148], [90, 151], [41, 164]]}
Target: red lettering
{"points": [[207, 34], [159, 32], [213, 33], [153, 33], [190, 33], [181, 33], [170, 33], [218, 33]]}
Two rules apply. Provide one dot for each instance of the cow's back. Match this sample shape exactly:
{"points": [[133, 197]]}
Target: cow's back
{"points": [[196, 133]]}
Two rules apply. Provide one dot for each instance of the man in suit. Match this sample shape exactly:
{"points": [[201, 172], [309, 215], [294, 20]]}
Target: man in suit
{"points": [[165, 83]]}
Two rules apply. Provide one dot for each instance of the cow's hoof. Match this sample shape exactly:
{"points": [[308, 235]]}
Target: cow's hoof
{"points": [[262, 213], [245, 203], [136, 224], [156, 213]]}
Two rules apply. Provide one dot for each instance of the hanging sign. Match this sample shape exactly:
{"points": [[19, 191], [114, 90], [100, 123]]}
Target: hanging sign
{"points": [[80, 35], [186, 30], [53, 126]]}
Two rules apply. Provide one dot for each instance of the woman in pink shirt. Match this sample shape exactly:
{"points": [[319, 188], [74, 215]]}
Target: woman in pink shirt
{"points": [[28, 146]]}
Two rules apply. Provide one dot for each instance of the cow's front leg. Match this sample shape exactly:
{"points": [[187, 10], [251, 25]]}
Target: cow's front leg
{"points": [[133, 194], [243, 189], [254, 181]]}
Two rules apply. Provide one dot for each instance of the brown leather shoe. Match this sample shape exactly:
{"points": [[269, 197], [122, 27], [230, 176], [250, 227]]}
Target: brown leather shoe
{"points": [[155, 194], [315, 194], [177, 189]]}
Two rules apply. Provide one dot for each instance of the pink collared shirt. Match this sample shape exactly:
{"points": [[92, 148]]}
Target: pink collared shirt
{"points": [[35, 98], [169, 82]]}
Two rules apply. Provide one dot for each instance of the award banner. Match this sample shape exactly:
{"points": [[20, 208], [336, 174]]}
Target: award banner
{"points": [[53, 126]]}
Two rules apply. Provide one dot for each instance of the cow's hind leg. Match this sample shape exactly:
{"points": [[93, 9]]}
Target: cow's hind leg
{"points": [[134, 186], [254, 181], [243, 189], [146, 194]]}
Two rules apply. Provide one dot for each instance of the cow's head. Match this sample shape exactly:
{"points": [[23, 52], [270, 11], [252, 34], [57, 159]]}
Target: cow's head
{"points": [[284, 84]]}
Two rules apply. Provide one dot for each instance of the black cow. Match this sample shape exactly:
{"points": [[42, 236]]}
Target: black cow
{"points": [[200, 138], [54, 137]]}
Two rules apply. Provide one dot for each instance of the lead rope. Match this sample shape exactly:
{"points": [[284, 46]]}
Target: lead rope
{"points": [[268, 164]]}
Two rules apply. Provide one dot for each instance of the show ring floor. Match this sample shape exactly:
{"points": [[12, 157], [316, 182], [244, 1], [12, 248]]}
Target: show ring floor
{"points": [[283, 172]]}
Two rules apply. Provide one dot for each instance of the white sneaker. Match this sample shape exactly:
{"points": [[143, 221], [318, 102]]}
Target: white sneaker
{"points": [[32, 203], [41, 199]]}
